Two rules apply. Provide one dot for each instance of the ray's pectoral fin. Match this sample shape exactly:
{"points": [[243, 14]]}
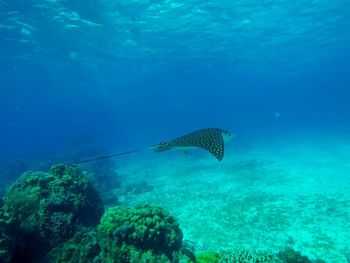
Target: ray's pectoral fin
{"points": [[209, 139], [215, 147]]}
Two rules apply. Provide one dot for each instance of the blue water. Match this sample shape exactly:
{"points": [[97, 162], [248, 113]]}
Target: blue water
{"points": [[129, 73], [89, 77]]}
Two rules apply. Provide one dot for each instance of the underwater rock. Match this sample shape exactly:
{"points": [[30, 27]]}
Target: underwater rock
{"points": [[143, 234], [46, 209]]}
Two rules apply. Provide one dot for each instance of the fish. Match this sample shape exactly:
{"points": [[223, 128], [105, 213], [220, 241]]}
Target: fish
{"points": [[209, 139]]}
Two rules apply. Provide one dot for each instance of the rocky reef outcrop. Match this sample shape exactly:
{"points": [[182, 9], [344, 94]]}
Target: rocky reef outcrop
{"points": [[59, 217], [41, 210]]}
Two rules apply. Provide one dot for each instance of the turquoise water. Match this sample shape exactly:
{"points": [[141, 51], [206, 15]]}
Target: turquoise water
{"points": [[85, 78], [272, 195]]}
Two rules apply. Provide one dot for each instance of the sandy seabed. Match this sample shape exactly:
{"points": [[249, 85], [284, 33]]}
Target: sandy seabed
{"points": [[292, 193]]}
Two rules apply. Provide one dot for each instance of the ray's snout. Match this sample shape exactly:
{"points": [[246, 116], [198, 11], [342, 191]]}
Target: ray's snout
{"points": [[226, 135]]}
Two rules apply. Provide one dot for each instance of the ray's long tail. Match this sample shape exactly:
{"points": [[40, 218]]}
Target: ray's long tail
{"points": [[111, 156]]}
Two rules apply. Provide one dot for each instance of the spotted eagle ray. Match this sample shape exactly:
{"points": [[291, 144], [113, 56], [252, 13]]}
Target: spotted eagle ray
{"points": [[210, 139]]}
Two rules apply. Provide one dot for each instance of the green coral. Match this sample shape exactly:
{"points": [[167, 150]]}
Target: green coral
{"points": [[46, 209], [84, 247], [118, 241], [145, 232], [207, 257], [52, 217], [7, 240]]}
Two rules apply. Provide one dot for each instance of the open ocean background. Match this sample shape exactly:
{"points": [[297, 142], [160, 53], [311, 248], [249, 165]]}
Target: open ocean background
{"points": [[120, 75]]}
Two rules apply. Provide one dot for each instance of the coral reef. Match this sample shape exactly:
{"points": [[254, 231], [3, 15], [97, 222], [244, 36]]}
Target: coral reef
{"points": [[54, 216], [58, 217], [252, 256], [291, 256], [41, 210], [143, 234], [248, 256], [207, 257], [7, 240], [84, 247]]}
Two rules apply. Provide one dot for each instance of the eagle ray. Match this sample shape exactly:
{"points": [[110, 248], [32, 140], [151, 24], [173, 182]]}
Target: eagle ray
{"points": [[209, 139]]}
